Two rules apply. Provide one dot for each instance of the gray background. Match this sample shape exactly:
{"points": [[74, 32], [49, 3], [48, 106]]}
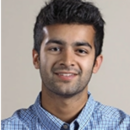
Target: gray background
{"points": [[21, 82]]}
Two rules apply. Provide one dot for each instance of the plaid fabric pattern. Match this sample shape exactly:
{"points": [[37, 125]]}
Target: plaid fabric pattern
{"points": [[94, 116]]}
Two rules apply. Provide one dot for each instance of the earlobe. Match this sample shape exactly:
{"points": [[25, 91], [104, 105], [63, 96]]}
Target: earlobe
{"points": [[35, 59], [98, 63]]}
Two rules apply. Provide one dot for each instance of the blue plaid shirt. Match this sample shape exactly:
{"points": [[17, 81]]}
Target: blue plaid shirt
{"points": [[94, 116]]}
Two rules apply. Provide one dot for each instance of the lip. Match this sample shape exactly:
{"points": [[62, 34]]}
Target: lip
{"points": [[69, 77], [66, 72]]}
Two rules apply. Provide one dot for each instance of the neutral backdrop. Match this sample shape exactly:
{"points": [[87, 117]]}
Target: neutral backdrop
{"points": [[21, 83]]}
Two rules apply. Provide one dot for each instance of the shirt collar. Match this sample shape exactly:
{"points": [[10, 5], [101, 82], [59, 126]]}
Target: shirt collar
{"points": [[50, 122], [86, 113]]}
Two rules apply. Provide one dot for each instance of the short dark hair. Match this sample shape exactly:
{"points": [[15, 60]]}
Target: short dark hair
{"points": [[70, 12]]}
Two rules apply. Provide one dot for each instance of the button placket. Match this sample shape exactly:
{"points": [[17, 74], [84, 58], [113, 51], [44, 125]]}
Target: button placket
{"points": [[65, 127]]}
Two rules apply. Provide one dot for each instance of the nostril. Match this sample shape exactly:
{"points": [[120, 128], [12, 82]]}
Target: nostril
{"points": [[65, 64], [62, 64]]}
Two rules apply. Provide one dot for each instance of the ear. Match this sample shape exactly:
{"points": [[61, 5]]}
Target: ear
{"points": [[35, 59], [98, 63]]}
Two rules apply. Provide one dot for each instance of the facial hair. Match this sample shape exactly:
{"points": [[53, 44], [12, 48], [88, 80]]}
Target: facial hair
{"points": [[65, 88]]}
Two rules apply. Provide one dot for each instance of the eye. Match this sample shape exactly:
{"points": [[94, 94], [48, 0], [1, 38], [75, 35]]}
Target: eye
{"points": [[81, 51], [56, 49]]}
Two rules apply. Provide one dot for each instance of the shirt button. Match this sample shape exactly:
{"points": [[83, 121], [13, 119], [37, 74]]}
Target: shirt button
{"points": [[65, 126]]}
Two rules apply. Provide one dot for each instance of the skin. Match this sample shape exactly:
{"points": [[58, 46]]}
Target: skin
{"points": [[66, 49]]}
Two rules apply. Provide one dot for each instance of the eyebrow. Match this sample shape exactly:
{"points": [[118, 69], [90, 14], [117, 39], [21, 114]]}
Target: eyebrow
{"points": [[61, 42], [83, 44]]}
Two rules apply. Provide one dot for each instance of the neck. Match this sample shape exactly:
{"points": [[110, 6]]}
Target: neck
{"points": [[66, 109]]}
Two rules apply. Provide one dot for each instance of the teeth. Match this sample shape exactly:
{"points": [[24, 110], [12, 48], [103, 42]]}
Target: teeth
{"points": [[66, 74]]}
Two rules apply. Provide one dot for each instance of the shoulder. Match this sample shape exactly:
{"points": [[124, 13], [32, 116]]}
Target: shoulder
{"points": [[20, 120], [112, 116]]}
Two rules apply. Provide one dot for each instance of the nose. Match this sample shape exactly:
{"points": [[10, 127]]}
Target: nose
{"points": [[67, 58]]}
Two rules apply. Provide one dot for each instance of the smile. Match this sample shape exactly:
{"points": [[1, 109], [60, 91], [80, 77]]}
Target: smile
{"points": [[66, 76]]}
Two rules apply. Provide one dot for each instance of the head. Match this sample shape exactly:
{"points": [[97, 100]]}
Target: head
{"points": [[70, 12], [68, 38]]}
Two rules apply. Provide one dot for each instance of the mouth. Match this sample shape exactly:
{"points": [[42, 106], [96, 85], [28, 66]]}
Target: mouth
{"points": [[66, 76]]}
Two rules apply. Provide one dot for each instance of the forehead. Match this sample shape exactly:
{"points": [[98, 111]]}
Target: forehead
{"points": [[70, 33]]}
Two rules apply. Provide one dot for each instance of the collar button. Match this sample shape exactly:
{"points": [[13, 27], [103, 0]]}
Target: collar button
{"points": [[65, 127]]}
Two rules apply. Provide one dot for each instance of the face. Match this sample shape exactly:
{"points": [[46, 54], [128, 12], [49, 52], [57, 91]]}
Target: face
{"points": [[66, 60]]}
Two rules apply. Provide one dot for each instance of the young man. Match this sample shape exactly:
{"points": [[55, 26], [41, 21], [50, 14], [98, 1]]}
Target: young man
{"points": [[68, 39]]}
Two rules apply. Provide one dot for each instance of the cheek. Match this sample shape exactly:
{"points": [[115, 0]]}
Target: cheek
{"points": [[87, 64], [47, 62], [43, 62]]}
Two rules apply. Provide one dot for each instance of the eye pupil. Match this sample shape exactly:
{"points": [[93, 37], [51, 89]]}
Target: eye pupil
{"points": [[55, 49], [81, 51]]}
